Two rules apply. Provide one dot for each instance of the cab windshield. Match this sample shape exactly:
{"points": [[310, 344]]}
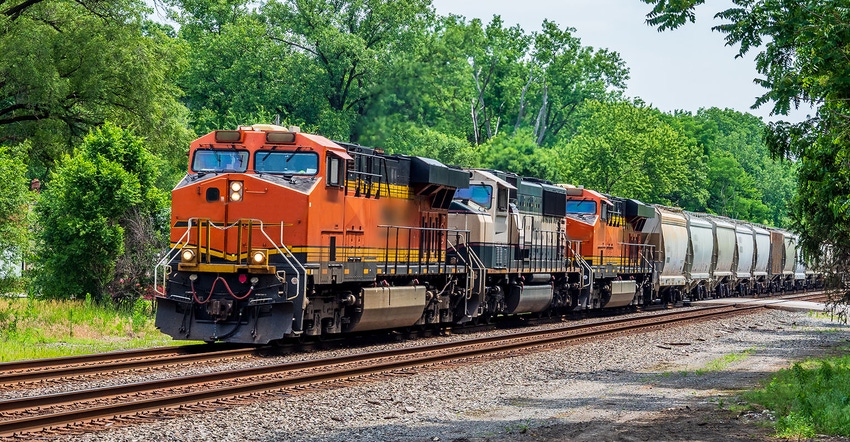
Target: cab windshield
{"points": [[220, 160], [583, 207], [287, 163], [481, 194]]}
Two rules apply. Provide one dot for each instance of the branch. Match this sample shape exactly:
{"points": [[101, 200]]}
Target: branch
{"points": [[12, 108], [292, 43], [16, 11], [20, 118]]}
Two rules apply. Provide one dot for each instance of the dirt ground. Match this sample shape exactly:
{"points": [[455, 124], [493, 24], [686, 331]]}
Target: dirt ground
{"points": [[701, 423], [698, 408]]}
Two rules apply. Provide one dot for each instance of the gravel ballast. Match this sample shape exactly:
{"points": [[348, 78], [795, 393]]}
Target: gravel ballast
{"points": [[600, 390]]}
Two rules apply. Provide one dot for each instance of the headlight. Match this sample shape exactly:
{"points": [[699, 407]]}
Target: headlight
{"points": [[236, 188], [188, 255], [258, 257]]}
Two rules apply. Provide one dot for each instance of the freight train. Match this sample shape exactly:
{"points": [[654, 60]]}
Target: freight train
{"points": [[279, 234]]}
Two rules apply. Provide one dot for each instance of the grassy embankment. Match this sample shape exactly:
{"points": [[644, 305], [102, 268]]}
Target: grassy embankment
{"points": [[40, 328], [811, 397]]}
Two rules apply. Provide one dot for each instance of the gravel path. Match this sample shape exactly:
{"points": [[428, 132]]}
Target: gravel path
{"points": [[664, 385]]}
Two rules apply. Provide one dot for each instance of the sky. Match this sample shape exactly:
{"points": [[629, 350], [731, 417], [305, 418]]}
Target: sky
{"points": [[684, 69]]}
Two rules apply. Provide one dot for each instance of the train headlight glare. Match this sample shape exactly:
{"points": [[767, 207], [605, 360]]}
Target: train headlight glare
{"points": [[258, 257], [236, 189], [188, 255]]}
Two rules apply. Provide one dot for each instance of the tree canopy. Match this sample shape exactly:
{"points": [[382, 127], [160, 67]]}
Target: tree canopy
{"points": [[628, 150], [68, 66]]}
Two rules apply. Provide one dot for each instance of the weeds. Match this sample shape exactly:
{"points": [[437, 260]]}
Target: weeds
{"points": [[809, 398], [724, 361], [40, 328]]}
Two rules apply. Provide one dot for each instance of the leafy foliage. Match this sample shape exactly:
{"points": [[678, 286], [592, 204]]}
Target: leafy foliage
{"points": [[742, 180], [14, 201], [343, 50], [478, 81], [82, 210], [809, 398], [409, 139], [628, 150], [68, 66], [519, 153]]}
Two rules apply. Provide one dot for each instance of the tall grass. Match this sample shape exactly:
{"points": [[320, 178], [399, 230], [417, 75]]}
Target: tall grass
{"points": [[809, 398], [41, 328]]}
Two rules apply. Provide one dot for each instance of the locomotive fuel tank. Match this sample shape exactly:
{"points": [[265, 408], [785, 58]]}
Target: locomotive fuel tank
{"points": [[526, 298], [389, 307]]}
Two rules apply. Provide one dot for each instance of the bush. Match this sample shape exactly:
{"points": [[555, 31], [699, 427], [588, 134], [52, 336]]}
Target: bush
{"points": [[811, 398], [87, 208], [14, 206]]}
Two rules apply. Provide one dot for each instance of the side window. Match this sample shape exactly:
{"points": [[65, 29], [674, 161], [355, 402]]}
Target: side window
{"points": [[604, 214], [334, 171], [503, 199]]}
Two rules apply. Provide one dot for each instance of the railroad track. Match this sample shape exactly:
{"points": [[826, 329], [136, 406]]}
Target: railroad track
{"points": [[38, 370], [92, 409]]}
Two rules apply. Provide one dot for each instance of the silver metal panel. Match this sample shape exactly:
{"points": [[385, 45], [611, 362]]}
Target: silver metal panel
{"points": [[390, 307], [529, 298], [701, 240], [746, 250], [622, 294], [800, 266], [762, 251], [674, 233], [724, 234], [790, 253]]}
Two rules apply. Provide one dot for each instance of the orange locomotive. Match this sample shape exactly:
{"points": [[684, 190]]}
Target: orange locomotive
{"points": [[277, 233], [606, 239]]}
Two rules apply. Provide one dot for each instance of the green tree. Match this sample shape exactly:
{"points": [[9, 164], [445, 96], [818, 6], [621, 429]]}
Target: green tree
{"points": [[83, 212], [519, 153], [343, 50], [69, 65], [743, 180], [410, 139], [568, 75], [246, 86], [628, 150], [14, 203], [802, 59], [477, 80]]}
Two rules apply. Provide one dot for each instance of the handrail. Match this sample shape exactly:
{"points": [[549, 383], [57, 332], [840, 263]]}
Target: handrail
{"points": [[166, 259], [284, 251], [586, 266]]}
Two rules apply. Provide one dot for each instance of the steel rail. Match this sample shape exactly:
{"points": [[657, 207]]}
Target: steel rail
{"points": [[380, 362], [134, 360], [103, 357]]}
